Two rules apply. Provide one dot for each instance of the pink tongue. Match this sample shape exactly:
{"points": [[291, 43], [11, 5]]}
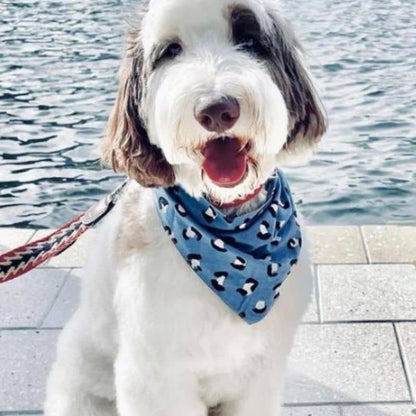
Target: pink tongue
{"points": [[225, 162]]}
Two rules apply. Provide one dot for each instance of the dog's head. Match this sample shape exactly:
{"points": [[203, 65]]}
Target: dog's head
{"points": [[214, 96]]}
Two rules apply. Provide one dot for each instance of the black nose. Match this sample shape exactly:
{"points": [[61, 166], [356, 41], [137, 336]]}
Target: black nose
{"points": [[220, 115]]}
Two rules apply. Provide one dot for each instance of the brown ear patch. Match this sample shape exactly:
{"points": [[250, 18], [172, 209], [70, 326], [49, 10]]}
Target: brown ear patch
{"points": [[307, 120], [127, 147]]}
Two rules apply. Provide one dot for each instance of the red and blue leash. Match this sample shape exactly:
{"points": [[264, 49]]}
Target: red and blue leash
{"points": [[21, 260]]}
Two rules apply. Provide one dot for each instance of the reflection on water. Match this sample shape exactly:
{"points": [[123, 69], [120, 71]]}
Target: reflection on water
{"points": [[58, 65]]}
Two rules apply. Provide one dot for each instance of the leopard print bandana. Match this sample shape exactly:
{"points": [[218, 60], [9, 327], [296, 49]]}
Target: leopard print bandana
{"points": [[243, 259]]}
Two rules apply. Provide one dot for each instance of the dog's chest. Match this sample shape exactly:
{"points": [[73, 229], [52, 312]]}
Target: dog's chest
{"points": [[181, 316]]}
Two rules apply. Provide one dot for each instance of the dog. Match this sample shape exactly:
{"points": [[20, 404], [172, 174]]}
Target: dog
{"points": [[213, 97]]}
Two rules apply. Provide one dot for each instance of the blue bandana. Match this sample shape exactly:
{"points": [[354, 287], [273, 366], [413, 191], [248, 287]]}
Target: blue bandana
{"points": [[243, 259]]}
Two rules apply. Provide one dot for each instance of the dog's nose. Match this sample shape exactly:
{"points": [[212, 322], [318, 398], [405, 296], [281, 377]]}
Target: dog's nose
{"points": [[220, 115]]}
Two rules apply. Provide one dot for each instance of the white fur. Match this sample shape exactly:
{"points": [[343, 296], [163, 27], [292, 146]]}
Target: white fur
{"points": [[177, 349], [210, 67], [149, 338]]}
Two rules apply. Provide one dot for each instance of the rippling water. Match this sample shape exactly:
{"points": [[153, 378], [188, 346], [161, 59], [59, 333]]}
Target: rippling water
{"points": [[58, 64]]}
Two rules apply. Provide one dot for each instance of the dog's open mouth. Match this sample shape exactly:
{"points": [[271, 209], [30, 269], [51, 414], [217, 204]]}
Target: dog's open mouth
{"points": [[225, 161]]}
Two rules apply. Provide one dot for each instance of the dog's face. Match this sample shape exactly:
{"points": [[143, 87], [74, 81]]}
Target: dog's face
{"points": [[213, 96]]}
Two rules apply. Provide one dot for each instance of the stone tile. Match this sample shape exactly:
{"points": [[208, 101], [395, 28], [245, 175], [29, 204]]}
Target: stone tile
{"points": [[390, 243], [74, 256], [311, 411], [407, 338], [13, 237], [380, 410], [336, 244], [345, 363], [25, 360], [25, 301], [368, 292], [65, 304], [311, 314]]}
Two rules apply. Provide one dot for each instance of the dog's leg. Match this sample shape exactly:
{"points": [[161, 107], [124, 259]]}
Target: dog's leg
{"points": [[148, 389], [80, 404], [81, 381], [263, 394]]}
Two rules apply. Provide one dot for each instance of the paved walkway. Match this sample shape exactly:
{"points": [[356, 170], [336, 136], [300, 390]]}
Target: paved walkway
{"points": [[355, 353]]}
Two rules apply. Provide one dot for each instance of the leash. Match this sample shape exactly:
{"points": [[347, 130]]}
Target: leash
{"points": [[21, 260]]}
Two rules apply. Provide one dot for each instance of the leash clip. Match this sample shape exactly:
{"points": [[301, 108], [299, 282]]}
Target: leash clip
{"points": [[101, 208]]}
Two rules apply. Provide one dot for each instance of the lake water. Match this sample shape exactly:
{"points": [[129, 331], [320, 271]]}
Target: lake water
{"points": [[58, 64]]}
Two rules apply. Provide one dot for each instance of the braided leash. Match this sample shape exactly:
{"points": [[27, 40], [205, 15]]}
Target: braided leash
{"points": [[20, 260]]}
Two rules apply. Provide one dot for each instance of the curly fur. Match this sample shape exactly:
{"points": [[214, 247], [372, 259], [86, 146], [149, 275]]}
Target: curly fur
{"points": [[127, 148], [148, 337]]}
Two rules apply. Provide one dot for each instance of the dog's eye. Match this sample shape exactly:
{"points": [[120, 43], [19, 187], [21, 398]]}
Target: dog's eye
{"points": [[168, 52], [171, 51], [251, 44], [246, 32]]}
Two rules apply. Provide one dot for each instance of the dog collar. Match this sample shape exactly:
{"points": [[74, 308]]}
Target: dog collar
{"points": [[239, 201], [243, 259]]}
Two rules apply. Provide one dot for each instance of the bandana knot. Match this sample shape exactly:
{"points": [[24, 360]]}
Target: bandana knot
{"points": [[244, 259]]}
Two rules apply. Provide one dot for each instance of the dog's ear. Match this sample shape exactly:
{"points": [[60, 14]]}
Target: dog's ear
{"points": [[127, 147], [307, 120]]}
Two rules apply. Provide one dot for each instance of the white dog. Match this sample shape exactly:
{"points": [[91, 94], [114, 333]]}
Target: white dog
{"points": [[213, 97]]}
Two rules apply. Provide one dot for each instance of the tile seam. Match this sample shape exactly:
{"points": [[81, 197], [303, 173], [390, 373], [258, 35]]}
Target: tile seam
{"points": [[365, 245], [46, 266], [348, 403], [45, 315], [30, 328], [377, 263], [318, 296], [31, 236], [361, 321], [405, 363]]}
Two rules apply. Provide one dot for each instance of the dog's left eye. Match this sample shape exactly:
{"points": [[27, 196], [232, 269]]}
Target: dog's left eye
{"points": [[251, 45], [246, 32]]}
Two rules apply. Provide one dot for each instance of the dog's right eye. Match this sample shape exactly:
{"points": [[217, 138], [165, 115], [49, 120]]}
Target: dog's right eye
{"points": [[170, 51]]}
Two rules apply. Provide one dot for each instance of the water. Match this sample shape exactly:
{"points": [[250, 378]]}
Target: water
{"points": [[58, 64]]}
